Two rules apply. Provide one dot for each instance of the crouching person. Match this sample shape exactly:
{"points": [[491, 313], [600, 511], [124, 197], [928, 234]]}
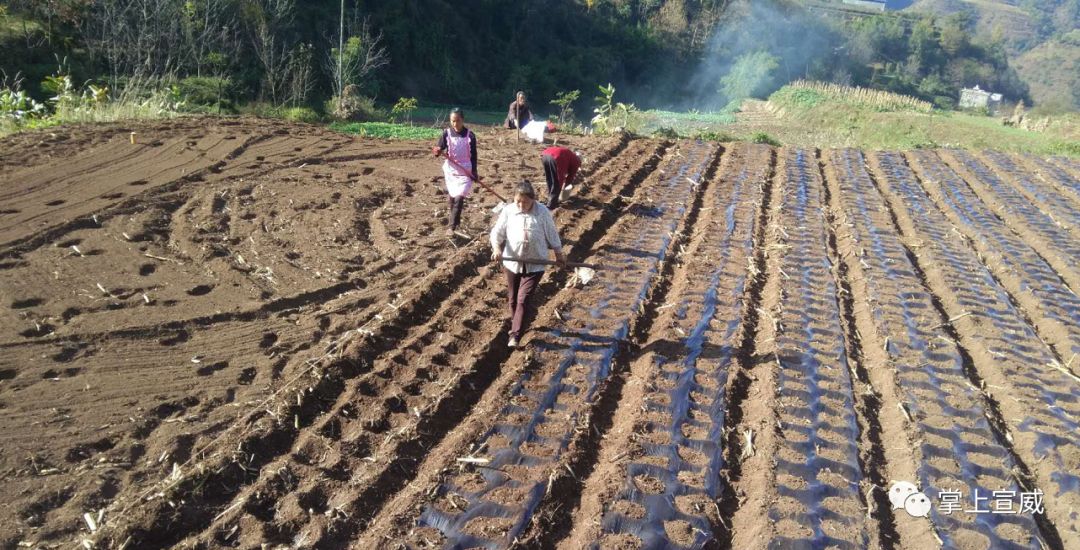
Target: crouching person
{"points": [[524, 232]]}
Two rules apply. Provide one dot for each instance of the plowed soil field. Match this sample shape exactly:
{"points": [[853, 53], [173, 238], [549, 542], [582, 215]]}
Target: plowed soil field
{"points": [[254, 334]]}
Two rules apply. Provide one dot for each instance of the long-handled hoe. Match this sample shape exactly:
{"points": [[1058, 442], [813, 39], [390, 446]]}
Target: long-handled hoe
{"points": [[502, 202], [582, 271]]}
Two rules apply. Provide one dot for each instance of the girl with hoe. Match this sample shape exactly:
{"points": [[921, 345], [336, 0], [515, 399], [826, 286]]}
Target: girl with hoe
{"points": [[459, 169]]}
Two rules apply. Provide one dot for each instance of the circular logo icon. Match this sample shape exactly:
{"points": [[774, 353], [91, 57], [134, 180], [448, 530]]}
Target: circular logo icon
{"points": [[917, 505], [899, 492]]}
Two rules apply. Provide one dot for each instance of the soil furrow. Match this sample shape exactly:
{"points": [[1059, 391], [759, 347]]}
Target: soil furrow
{"points": [[753, 369], [670, 421], [1067, 164], [1054, 176], [1029, 402], [1051, 241], [1044, 296], [1044, 197], [946, 444], [868, 399], [554, 520], [360, 358], [314, 386], [391, 416], [802, 479], [529, 441]]}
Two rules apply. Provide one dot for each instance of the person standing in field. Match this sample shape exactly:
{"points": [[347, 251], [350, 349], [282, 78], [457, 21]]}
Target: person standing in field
{"points": [[524, 231], [459, 169], [560, 168], [518, 115]]}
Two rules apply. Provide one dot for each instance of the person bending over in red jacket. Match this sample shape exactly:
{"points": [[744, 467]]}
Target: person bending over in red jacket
{"points": [[560, 167]]}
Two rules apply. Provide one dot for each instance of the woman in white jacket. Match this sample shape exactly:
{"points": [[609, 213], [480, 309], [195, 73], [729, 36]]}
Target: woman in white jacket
{"points": [[524, 231]]}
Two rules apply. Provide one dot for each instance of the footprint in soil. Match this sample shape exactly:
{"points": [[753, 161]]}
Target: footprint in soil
{"points": [[83, 451], [147, 269], [56, 374], [268, 339], [112, 195], [138, 183], [8, 211], [35, 513], [200, 290], [56, 202], [367, 171], [28, 302], [207, 370], [38, 331], [66, 354], [247, 376], [180, 337], [7, 374]]}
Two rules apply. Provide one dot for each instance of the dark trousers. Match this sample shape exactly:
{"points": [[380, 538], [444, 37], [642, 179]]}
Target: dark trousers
{"points": [[521, 287], [554, 186], [457, 204]]}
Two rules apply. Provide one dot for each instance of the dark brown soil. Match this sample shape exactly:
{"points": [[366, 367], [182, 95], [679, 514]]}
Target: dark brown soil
{"points": [[246, 333]]}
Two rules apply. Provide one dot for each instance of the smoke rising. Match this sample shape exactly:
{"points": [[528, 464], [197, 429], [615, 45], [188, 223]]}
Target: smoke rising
{"points": [[798, 43]]}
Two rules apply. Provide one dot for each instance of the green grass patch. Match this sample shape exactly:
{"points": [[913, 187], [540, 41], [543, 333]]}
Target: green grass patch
{"points": [[832, 126], [799, 98], [684, 124], [386, 130], [292, 114], [440, 114]]}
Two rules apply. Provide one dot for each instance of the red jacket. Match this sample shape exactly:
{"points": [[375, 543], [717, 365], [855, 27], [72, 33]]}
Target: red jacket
{"points": [[566, 162]]}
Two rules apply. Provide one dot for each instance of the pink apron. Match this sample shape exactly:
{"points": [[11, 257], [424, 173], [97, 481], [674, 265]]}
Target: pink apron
{"points": [[458, 149]]}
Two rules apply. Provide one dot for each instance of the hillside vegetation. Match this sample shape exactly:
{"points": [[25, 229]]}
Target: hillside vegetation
{"points": [[1040, 37], [681, 67]]}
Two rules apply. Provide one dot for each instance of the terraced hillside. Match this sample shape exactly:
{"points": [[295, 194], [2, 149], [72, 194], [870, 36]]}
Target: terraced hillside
{"points": [[241, 334]]}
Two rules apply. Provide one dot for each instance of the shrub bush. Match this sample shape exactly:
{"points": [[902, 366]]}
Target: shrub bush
{"points": [[762, 137], [207, 91]]}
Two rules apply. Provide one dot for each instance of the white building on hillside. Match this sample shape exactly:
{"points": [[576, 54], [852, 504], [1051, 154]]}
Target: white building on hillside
{"points": [[975, 98]]}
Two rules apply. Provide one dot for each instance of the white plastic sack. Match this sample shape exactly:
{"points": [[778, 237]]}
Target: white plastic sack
{"points": [[534, 131]]}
